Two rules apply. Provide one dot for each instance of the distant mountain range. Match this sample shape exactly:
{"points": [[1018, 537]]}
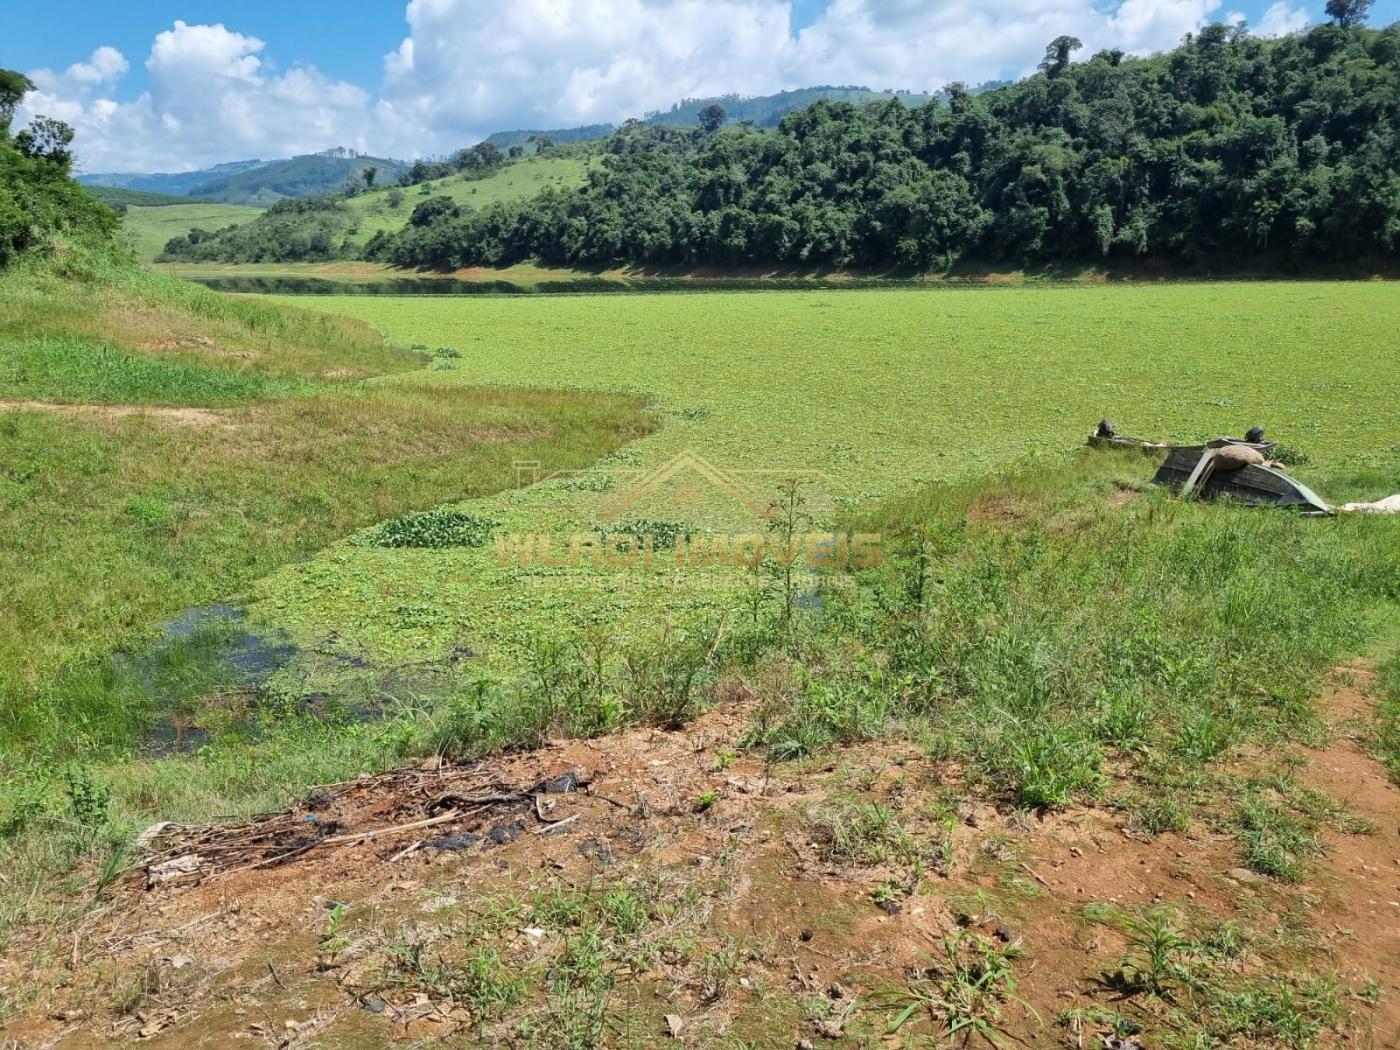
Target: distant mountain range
{"points": [[265, 182], [257, 182], [507, 139], [765, 111]]}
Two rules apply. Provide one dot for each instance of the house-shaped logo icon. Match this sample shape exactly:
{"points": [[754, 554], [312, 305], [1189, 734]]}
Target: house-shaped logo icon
{"points": [[686, 481]]}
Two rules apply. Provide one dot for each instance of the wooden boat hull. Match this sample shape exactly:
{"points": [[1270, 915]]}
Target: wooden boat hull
{"points": [[1252, 485]]}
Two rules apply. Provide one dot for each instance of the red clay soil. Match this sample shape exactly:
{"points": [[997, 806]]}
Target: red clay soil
{"points": [[1357, 887], [221, 951]]}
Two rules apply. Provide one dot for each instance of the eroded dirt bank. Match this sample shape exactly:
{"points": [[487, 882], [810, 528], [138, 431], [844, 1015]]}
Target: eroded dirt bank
{"points": [[658, 886]]}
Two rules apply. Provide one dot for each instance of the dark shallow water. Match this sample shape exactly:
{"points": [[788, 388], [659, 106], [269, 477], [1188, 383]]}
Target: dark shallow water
{"points": [[210, 672], [438, 286]]}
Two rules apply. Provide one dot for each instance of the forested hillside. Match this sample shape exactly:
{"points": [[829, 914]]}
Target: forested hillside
{"points": [[306, 176], [38, 199], [1228, 150], [340, 226], [766, 111], [260, 183], [179, 184]]}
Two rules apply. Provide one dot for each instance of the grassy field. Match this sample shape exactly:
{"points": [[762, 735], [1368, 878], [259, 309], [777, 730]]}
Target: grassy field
{"points": [[162, 447], [891, 388], [149, 228], [1047, 632], [874, 393]]}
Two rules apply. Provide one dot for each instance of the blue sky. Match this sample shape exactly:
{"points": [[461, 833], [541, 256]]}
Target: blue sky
{"points": [[174, 84], [346, 39]]}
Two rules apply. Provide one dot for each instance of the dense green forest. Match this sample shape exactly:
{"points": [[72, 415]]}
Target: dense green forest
{"points": [[1228, 150], [310, 229], [38, 199]]}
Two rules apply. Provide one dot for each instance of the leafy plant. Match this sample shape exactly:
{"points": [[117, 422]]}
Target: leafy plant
{"points": [[434, 529], [1157, 953], [660, 535], [89, 799], [964, 991]]}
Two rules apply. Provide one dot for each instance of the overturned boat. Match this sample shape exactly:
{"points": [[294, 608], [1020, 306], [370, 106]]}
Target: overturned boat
{"points": [[1106, 435], [1221, 473], [1236, 469]]}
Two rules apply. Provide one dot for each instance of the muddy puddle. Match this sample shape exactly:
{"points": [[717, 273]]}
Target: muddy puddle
{"points": [[211, 672]]}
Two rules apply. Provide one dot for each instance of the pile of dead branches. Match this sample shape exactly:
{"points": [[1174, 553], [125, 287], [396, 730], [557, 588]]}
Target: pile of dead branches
{"points": [[387, 808]]}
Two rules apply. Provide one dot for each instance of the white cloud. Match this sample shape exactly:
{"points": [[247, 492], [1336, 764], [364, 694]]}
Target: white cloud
{"points": [[104, 66], [467, 68], [209, 99], [1281, 19]]}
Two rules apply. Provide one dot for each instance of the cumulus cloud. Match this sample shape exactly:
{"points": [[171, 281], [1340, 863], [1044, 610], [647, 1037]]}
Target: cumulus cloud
{"points": [[1281, 19], [468, 68], [104, 66], [210, 99]]}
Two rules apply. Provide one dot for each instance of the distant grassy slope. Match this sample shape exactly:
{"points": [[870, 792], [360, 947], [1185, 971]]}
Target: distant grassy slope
{"points": [[151, 227], [284, 233], [524, 178], [115, 196]]}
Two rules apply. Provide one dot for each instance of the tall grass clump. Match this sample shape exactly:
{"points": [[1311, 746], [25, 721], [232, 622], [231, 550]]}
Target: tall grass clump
{"points": [[584, 683], [1386, 737]]}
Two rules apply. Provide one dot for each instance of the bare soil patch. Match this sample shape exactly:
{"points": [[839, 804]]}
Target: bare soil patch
{"points": [[178, 416], [217, 938]]}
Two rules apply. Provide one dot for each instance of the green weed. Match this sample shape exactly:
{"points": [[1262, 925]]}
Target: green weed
{"points": [[1385, 736], [1275, 841], [860, 832], [964, 991], [1200, 986]]}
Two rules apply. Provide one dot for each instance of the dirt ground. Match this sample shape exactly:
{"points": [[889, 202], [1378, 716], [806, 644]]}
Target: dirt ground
{"points": [[220, 937], [178, 416]]}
